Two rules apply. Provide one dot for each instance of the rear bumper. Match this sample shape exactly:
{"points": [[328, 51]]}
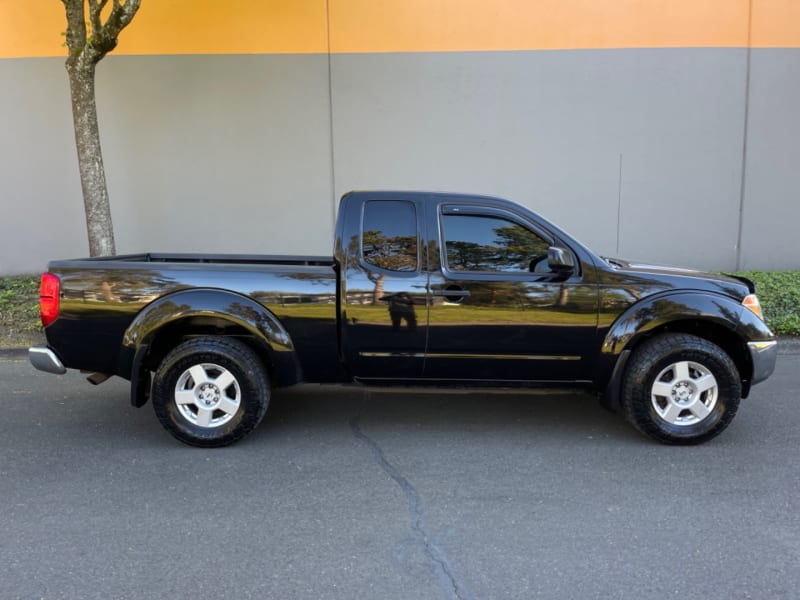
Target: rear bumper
{"points": [[764, 355], [45, 360]]}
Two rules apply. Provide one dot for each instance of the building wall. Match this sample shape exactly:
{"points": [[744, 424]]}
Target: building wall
{"points": [[664, 130]]}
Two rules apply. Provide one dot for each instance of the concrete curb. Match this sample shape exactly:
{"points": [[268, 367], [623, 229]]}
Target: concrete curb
{"points": [[789, 345]]}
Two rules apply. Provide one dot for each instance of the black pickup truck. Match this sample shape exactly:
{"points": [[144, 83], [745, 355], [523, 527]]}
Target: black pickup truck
{"points": [[423, 289]]}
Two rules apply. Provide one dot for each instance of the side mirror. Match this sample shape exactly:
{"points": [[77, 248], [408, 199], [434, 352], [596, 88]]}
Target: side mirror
{"points": [[560, 260]]}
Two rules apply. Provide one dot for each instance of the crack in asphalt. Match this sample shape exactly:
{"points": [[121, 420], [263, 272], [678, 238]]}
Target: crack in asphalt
{"points": [[435, 554]]}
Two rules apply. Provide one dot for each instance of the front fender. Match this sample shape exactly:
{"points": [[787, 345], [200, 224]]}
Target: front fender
{"points": [[201, 302], [650, 314], [655, 311]]}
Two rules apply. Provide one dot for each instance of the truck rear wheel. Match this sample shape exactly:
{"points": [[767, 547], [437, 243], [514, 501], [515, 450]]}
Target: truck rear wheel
{"points": [[680, 389], [210, 391]]}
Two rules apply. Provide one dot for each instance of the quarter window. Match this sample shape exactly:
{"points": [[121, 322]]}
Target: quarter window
{"points": [[389, 238], [491, 244]]}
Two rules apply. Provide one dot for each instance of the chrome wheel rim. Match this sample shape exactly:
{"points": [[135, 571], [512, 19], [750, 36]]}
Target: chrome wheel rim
{"points": [[684, 393], [207, 395]]}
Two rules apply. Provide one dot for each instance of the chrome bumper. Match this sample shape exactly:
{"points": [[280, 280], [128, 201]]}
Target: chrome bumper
{"points": [[45, 360], [764, 355]]}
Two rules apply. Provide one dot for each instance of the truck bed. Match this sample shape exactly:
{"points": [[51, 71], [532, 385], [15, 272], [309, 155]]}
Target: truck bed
{"points": [[242, 259], [101, 296]]}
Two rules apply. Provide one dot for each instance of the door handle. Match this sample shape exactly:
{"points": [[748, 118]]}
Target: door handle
{"points": [[452, 293]]}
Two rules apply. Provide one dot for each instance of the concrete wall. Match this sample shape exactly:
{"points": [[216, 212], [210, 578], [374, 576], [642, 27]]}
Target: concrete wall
{"points": [[771, 215], [202, 154], [549, 129], [681, 155]]}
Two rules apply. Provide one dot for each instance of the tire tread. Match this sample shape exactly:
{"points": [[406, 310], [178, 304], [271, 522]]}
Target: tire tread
{"points": [[211, 349], [635, 399]]}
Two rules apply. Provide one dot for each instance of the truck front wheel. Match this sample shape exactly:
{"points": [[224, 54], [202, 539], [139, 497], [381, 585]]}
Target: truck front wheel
{"points": [[680, 389], [210, 391]]}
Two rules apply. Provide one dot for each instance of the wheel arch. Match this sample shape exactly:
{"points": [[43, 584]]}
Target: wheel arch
{"points": [[163, 324], [714, 332]]}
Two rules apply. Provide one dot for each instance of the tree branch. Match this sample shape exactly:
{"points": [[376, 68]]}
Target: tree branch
{"points": [[76, 27], [104, 38], [95, 9]]}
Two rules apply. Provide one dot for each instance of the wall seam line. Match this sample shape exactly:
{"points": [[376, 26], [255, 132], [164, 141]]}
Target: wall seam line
{"points": [[330, 116], [619, 203], [743, 180]]}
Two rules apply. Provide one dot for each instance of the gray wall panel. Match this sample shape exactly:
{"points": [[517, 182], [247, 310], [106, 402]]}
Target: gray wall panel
{"points": [[233, 153], [202, 154], [771, 233], [41, 207], [547, 129], [219, 153]]}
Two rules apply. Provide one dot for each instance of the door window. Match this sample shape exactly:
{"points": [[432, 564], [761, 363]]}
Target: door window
{"points": [[389, 240], [492, 244]]}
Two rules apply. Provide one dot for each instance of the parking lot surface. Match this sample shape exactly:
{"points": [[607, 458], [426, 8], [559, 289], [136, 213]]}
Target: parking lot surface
{"points": [[352, 493]]}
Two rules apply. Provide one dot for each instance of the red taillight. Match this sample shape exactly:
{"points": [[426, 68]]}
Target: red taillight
{"points": [[49, 291]]}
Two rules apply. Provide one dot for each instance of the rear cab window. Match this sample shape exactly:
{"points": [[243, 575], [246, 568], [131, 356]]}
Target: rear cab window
{"points": [[389, 238]]}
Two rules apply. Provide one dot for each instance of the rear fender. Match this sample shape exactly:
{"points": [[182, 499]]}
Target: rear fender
{"points": [[234, 308]]}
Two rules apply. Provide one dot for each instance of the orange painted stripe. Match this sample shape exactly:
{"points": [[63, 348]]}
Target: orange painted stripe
{"points": [[775, 24], [228, 27], [33, 27], [459, 25]]}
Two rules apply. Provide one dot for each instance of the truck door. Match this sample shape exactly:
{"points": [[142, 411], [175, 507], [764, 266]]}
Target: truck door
{"points": [[384, 313], [497, 312]]}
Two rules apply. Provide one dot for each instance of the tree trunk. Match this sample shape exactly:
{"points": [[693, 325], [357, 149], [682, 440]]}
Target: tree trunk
{"points": [[377, 293], [90, 158], [563, 295]]}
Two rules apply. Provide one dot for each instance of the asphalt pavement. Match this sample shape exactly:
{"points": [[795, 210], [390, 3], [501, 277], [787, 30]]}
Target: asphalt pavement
{"points": [[345, 493]]}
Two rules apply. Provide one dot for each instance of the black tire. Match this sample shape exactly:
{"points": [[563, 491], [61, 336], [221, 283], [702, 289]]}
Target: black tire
{"points": [[195, 410], [691, 410]]}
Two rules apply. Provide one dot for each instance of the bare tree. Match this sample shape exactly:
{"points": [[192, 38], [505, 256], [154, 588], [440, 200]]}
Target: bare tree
{"points": [[88, 41]]}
